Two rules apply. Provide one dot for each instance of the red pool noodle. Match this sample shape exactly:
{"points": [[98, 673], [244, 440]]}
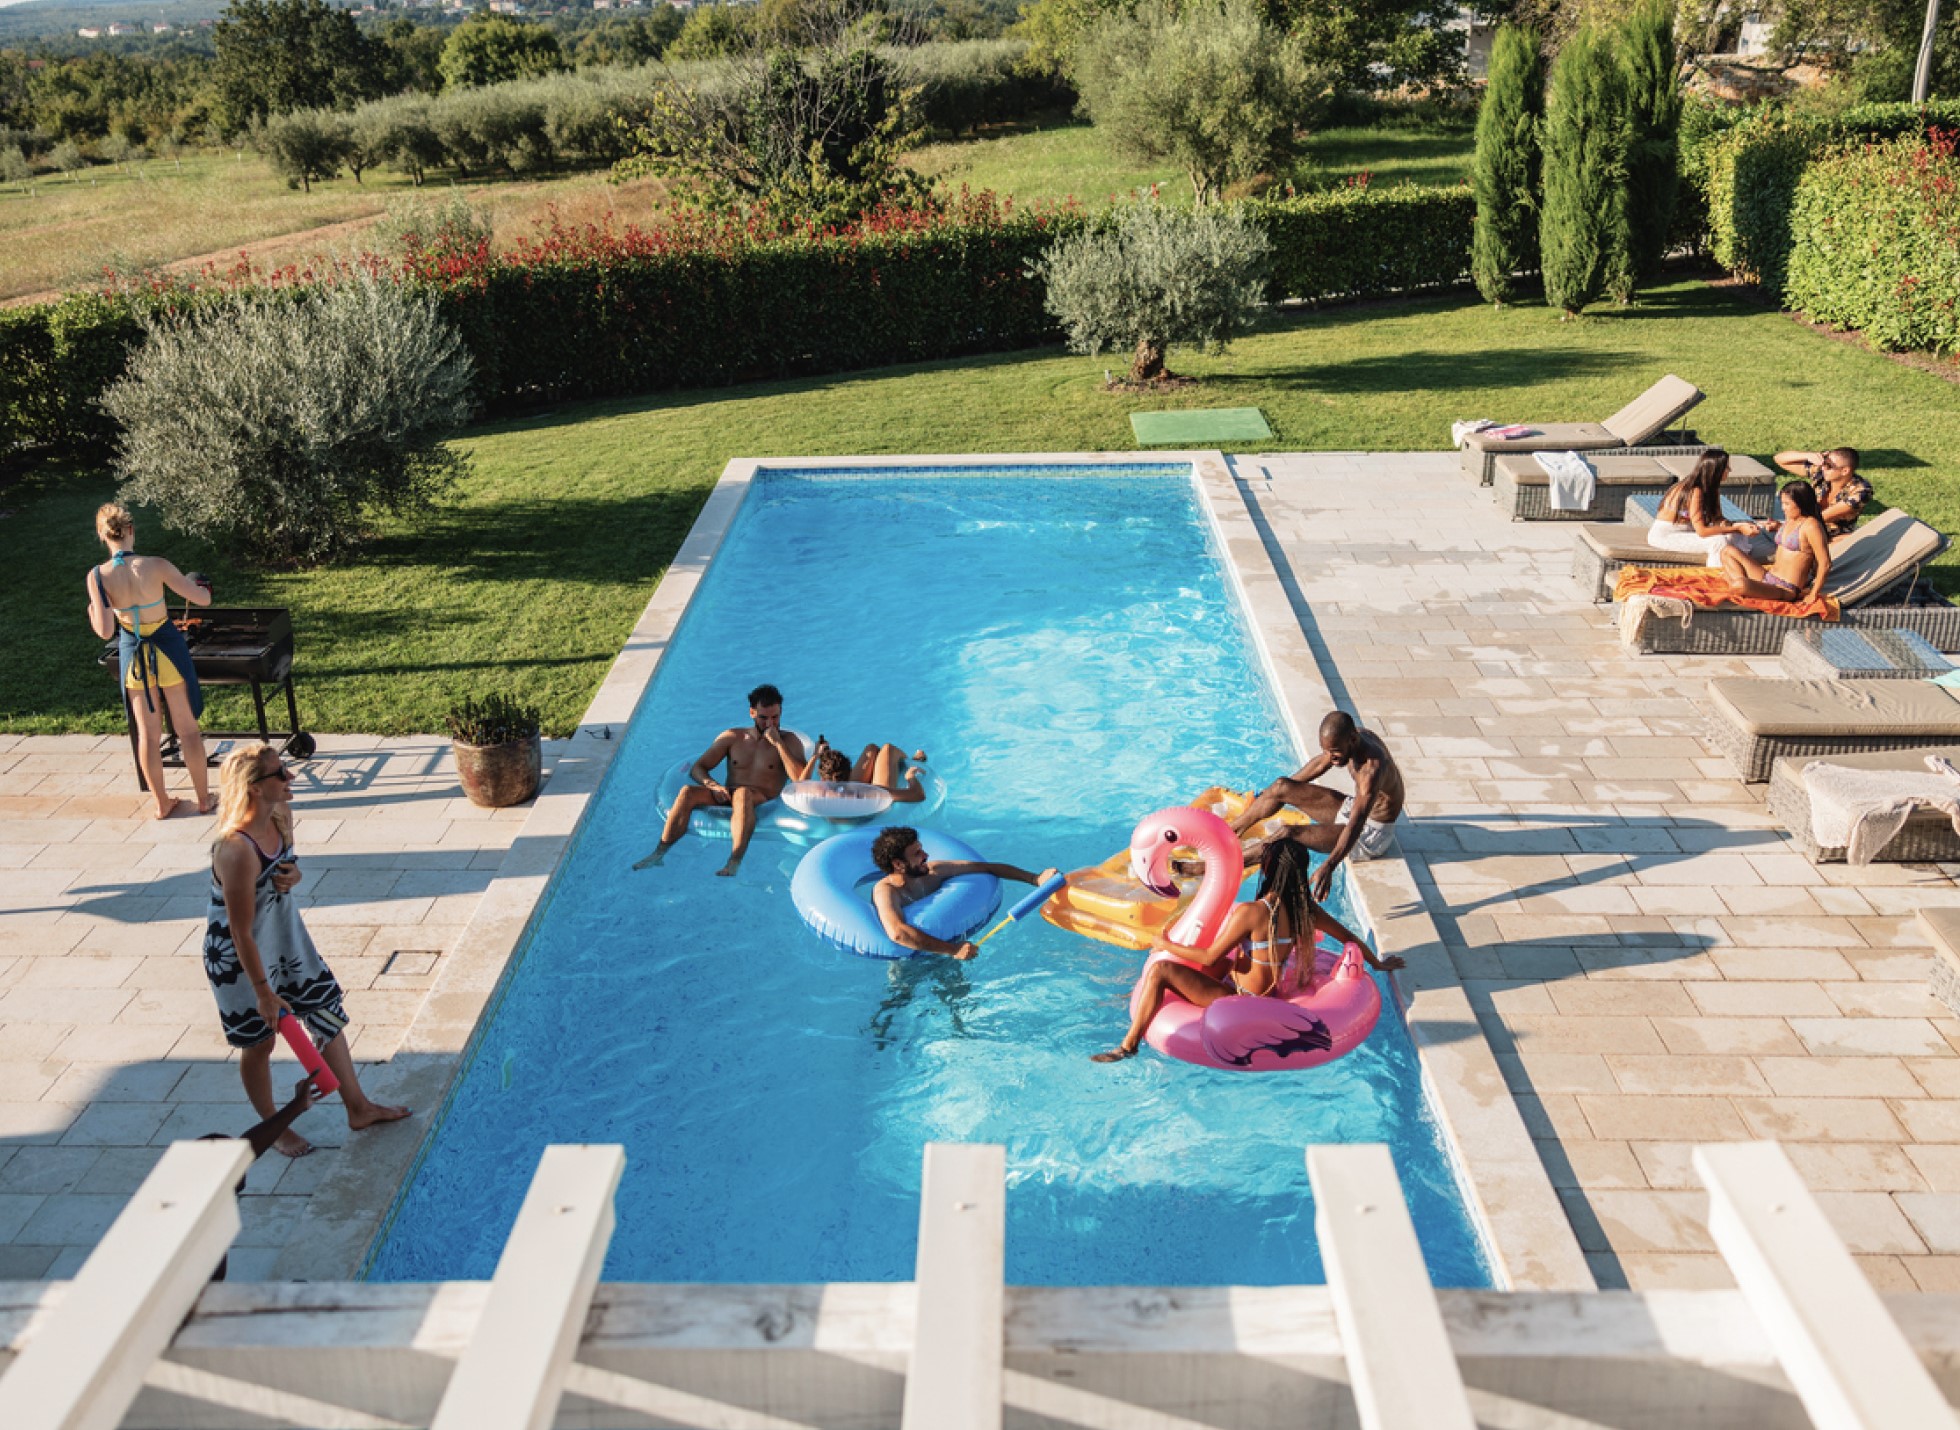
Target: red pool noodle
{"points": [[297, 1038]]}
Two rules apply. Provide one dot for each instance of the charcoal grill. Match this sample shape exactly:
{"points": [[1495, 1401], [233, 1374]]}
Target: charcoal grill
{"points": [[233, 645]]}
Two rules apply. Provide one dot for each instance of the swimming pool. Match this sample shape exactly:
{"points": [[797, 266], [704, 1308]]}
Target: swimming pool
{"points": [[1065, 646]]}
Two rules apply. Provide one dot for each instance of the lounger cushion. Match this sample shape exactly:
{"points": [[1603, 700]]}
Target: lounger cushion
{"points": [[1549, 437], [1741, 468], [1943, 926], [1653, 412], [1608, 471], [1878, 554], [1822, 708], [1911, 760], [1627, 542]]}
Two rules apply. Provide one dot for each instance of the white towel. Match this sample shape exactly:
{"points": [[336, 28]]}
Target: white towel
{"points": [[1460, 430], [1635, 610], [1572, 480], [1862, 811]]}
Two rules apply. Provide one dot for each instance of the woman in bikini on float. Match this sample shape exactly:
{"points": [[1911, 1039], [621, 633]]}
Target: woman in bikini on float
{"points": [[127, 601], [1264, 949], [1803, 554]]}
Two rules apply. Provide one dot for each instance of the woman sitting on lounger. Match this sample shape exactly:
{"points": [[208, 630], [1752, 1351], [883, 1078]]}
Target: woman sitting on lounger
{"points": [[1690, 516], [1802, 559]]}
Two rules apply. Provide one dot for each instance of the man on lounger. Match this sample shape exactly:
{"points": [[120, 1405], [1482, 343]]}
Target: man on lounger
{"points": [[759, 755], [1361, 824], [909, 876]]}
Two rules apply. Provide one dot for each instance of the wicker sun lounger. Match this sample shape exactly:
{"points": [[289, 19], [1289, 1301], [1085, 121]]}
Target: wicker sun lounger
{"points": [[1757, 722], [1874, 576], [1639, 427], [1524, 489], [1927, 837], [1603, 548]]}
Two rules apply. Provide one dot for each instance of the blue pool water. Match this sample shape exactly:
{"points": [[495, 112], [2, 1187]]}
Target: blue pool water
{"points": [[1066, 650]]}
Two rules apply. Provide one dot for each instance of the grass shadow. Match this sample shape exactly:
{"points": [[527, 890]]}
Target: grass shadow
{"points": [[1436, 370]]}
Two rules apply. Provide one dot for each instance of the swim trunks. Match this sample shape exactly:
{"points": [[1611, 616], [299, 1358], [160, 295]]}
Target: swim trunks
{"points": [[1376, 837]]}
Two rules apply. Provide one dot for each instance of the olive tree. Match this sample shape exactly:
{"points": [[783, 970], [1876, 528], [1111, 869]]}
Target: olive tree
{"points": [[1207, 85], [281, 423], [305, 145], [1154, 276]]}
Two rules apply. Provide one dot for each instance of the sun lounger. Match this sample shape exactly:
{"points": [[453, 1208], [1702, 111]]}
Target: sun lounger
{"points": [[1757, 722], [1874, 576], [1523, 488], [1927, 837], [1640, 426], [1942, 929], [1602, 548]]}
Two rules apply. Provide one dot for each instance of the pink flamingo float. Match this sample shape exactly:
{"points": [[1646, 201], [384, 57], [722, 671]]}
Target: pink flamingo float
{"points": [[1330, 1016]]}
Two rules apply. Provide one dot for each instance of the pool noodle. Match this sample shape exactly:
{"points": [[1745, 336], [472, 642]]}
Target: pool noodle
{"points": [[309, 1057], [1028, 905]]}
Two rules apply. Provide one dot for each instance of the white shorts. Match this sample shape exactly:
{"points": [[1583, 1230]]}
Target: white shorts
{"points": [[1376, 837]]}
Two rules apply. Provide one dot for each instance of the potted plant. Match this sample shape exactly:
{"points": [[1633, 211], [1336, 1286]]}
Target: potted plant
{"points": [[497, 754]]}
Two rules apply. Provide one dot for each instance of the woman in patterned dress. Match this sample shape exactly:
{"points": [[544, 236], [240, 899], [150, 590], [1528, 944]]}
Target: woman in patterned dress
{"points": [[257, 953]]}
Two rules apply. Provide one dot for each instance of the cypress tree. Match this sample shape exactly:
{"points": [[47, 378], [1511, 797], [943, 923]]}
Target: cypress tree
{"points": [[1506, 179], [1654, 152], [1582, 232]]}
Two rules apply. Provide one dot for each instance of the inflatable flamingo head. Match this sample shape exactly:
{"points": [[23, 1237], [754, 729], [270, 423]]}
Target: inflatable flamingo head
{"points": [[1158, 834]]}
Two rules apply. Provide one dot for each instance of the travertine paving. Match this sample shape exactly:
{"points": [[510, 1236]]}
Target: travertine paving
{"points": [[109, 1040], [1652, 961]]}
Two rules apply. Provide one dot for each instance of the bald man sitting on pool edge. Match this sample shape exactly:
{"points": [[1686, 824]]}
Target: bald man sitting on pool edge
{"points": [[1361, 824]]}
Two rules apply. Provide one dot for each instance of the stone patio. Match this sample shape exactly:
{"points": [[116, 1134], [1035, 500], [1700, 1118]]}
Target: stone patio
{"points": [[109, 1043], [1652, 962]]}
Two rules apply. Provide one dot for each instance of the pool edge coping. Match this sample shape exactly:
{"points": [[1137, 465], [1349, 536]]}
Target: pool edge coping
{"points": [[1520, 1220], [1518, 1213]]}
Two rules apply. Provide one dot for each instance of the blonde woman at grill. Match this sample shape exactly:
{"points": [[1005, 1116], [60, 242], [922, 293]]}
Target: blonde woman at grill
{"points": [[257, 953], [126, 602]]}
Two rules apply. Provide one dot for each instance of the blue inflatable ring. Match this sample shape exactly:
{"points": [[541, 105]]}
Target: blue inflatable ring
{"points": [[776, 820], [831, 890]]}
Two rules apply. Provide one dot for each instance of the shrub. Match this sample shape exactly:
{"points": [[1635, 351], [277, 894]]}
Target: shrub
{"points": [[964, 84], [494, 720], [420, 229], [489, 49], [14, 168], [305, 145], [1876, 243], [1753, 167], [281, 423], [1155, 276], [1208, 86], [1363, 242], [67, 157], [1654, 145], [1582, 233], [1506, 176]]}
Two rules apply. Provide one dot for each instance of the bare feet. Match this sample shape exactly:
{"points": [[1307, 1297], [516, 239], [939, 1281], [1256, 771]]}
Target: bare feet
{"points": [[167, 807], [292, 1144], [1114, 1055], [734, 864], [655, 858], [918, 757], [373, 1115], [207, 804]]}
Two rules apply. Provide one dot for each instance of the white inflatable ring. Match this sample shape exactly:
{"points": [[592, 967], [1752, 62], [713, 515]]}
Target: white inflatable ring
{"points": [[831, 890]]}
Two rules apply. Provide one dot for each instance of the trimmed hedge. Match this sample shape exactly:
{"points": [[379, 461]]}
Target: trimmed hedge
{"points": [[1876, 243], [1362, 242], [1753, 169], [594, 313]]}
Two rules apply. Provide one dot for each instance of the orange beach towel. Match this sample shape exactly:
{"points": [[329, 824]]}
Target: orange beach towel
{"points": [[1702, 586]]}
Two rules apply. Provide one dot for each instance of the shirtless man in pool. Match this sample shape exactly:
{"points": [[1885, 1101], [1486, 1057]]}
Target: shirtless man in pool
{"points": [[1360, 823], [909, 876], [759, 755]]}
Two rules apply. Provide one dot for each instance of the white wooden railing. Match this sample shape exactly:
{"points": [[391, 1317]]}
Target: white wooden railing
{"points": [[138, 1339]]}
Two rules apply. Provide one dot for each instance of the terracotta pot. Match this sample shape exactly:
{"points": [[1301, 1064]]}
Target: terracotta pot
{"points": [[497, 776]]}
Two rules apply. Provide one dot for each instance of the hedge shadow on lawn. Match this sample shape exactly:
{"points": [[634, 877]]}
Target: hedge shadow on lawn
{"points": [[1439, 371], [590, 540]]}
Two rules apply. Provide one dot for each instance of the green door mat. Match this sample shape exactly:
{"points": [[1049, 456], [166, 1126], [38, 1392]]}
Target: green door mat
{"points": [[1199, 427]]}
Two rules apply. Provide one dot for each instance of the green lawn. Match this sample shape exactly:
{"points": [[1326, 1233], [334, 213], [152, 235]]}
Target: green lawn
{"points": [[1073, 161], [532, 576]]}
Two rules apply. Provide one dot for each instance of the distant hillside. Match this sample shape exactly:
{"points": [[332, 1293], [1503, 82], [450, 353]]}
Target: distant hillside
{"points": [[31, 19]]}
